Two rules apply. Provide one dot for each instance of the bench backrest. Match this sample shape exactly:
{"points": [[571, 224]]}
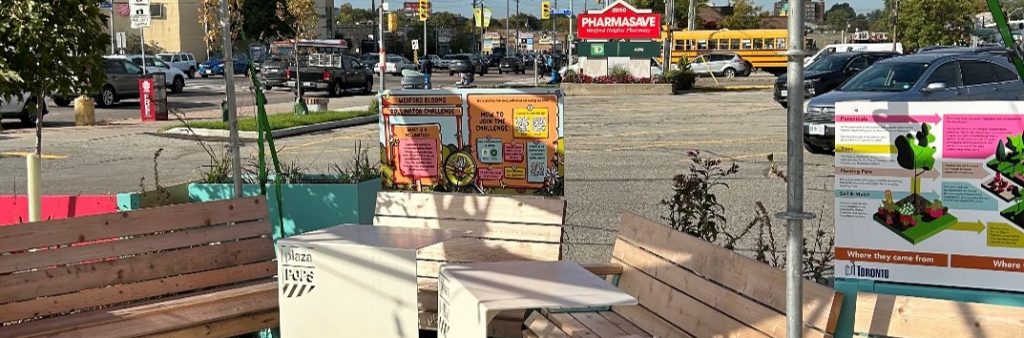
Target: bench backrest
{"points": [[78, 264], [504, 227], [905, 316], [691, 288]]}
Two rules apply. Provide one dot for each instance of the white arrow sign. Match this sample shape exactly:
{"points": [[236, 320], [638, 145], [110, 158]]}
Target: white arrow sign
{"points": [[139, 13]]}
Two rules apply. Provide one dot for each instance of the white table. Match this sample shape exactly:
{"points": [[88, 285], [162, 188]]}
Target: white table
{"points": [[470, 295], [352, 281]]}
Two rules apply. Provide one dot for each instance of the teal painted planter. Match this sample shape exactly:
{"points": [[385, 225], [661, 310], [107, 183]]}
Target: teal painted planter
{"points": [[850, 287], [304, 207]]}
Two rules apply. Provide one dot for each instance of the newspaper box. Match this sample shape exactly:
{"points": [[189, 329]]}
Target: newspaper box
{"points": [[153, 97]]}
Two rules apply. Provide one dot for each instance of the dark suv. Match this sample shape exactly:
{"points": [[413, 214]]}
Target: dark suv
{"points": [[467, 63], [829, 72]]}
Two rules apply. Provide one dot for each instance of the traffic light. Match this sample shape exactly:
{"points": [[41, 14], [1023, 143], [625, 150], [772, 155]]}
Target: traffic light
{"points": [[545, 10], [392, 22], [424, 10]]}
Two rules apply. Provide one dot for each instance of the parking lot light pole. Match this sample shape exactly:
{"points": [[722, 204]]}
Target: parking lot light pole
{"points": [[229, 91], [794, 214]]}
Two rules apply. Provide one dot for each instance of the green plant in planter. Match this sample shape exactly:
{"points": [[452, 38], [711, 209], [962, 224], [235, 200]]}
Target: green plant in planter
{"points": [[681, 79], [618, 72], [359, 168]]}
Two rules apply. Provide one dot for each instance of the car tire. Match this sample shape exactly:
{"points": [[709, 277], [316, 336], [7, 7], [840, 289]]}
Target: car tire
{"points": [[205, 76], [107, 97], [500, 72], [729, 73], [368, 87], [191, 72], [61, 102], [451, 73], [336, 89], [813, 149], [28, 116], [179, 85]]}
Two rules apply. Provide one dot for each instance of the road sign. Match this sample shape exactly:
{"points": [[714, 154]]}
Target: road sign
{"points": [[106, 6], [562, 11], [415, 44], [139, 13], [121, 40]]}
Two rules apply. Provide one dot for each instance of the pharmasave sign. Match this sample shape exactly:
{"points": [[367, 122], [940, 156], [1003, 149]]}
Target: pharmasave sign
{"points": [[619, 21]]}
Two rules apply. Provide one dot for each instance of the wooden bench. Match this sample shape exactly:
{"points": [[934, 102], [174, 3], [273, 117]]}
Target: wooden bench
{"points": [[504, 229], [690, 288], [187, 270], [905, 316]]}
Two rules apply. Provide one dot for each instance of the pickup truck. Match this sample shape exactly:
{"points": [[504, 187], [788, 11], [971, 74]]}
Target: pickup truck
{"points": [[333, 73]]}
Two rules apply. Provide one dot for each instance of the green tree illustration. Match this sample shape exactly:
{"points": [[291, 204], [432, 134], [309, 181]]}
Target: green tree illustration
{"points": [[915, 152]]}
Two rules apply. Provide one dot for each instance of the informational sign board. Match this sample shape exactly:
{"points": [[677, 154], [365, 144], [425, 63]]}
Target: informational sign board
{"points": [[415, 44], [930, 192], [479, 141], [633, 50], [139, 13], [561, 11], [619, 20]]}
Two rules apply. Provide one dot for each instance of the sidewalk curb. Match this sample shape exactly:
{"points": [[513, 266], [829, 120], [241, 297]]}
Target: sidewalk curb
{"points": [[223, 135]]}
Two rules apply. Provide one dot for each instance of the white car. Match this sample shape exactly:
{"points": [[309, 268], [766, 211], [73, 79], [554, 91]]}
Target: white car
{"points": [[173, 77], [396, 64], [183, 61], [19, 108]]}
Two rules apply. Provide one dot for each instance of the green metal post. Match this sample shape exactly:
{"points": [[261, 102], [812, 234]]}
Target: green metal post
{"points": [[1004, 30]]}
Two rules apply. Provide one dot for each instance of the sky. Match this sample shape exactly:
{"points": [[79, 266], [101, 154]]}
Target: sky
{"points": [[533, 6]]}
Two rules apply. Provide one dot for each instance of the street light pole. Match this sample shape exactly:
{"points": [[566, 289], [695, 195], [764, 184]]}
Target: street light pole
{"points": [[229, 91], [895, 24], [508, 16], [517, 28], [691, 16]]}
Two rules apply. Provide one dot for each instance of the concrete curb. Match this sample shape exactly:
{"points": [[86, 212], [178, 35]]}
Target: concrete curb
{"points": [[223, 135], [733, 88]]}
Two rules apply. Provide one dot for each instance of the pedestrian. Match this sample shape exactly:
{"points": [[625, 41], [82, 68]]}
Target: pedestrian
{"points": [[553, 69], [427, 68]]}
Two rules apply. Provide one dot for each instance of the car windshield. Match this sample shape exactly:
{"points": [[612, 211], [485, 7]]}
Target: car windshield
{"points": [[460, 57], [156, 62], [166, 57], [829, 63], [394, 59], [508, 59], [886, 77]]}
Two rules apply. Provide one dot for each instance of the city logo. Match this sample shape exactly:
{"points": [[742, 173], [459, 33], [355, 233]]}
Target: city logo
{"points": [[852, 270], [299, 273]]}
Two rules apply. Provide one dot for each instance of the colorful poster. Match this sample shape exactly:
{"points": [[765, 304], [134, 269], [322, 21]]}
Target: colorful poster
{"points": [[483, 141], [930, 193]]}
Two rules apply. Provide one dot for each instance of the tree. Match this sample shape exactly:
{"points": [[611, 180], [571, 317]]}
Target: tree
{"points": [[349, 15], [915, 152], [925, 23], [525, 21], [259, 26], [744, 16], [840, 15], [681, 13], [304, 12], [51, 47], [1001, 151], [209, 17]]}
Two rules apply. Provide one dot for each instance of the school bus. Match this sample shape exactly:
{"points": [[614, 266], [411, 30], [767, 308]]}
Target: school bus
{"points": [[764, 48]]}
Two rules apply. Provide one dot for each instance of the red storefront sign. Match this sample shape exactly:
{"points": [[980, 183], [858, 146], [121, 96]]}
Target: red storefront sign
{"points": [[619, 21], [147, 99]]}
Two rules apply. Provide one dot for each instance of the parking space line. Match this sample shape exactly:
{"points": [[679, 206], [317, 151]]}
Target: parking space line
{"points": [[25, 154]]}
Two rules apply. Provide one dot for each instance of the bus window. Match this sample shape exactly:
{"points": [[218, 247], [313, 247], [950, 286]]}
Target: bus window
{"points": [[734, 44], [745, 44], [758, 43], [780, 43], [702, 44], [723, 43]]}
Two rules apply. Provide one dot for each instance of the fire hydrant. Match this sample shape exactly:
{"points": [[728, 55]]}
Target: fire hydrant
{"points": [[85, 111]]}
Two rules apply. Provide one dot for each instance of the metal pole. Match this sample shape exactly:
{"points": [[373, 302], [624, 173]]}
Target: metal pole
{"points": [[382, 58], [691, 16], [895, 24], [508, 16], [229, 91], [142, 47], [425, 39], [569, 40], [482, 28], [794, 214], [666, 48], [554, 30], [112, 44], [517, 27]]}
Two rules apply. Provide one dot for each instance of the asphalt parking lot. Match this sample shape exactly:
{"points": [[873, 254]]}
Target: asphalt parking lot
{"points": [[621, 155]]}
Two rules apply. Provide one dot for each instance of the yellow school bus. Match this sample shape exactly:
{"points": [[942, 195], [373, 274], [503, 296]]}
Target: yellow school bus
{"points": [[762, 47]]}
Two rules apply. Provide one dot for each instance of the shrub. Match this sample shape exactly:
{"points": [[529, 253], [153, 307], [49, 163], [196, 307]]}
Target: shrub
{"points": [[619, 72], [571, 76], [375, 105], [682, 79]]}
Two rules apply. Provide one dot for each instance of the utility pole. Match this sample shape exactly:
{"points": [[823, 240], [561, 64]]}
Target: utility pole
{"points": [[570, 39], [895, 24], [517, 28], [691, 16], [482, 28], [554, 31], [382, 53], [229, 91], [508, 16], [666, 48], [795, 214]]}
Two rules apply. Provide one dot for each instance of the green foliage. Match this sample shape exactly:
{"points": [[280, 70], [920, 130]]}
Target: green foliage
{"points": [[694, 207], [914, 151], [132, 47], [842, 16], [1016, 143], [906, 209], [745, 15], [571, 76], [681, 11], [349, 15], [683, 79], [925, 23], [52, 47], [618, 71], [1001, 151], [280, 121], [359, 168], [374, 108], [304, 14], [261, 22]]}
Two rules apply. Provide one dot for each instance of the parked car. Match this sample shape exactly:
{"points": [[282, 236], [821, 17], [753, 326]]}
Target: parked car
{"points": [[511, 65], [396, 64], [446, 61], [215, 66], [334, 73], [122, 82], [853, 47], [727, 65], [918, 77], [829, 72], [436, 60], [272, 72], [467, 63], [174, 78], [493, 60], [182, 60], [21, 107]]}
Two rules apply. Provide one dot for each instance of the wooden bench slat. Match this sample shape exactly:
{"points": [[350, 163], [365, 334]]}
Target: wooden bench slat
{"points": [[905, 316], [599, 325], [46, 282], [724, 300], [18, 237], [520, 209], [650, 322], [681, 309], [485, 229], [115, 248], [623, 324], [571, 326], [227, 328], [55, 325], [737, 272], [488, 250], [539, 326], [135, 291]]}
